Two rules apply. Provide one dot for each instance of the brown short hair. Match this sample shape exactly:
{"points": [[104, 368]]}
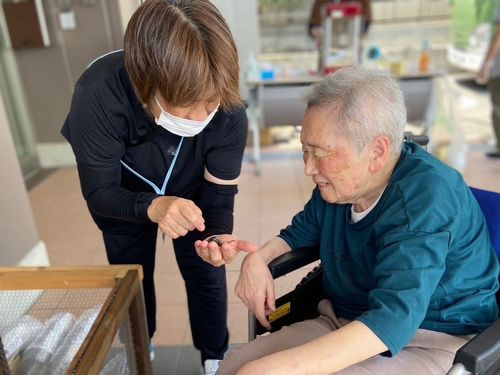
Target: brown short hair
{"points": [[185, 50]]}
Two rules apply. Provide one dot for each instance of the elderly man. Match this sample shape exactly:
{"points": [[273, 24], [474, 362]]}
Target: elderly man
{"points": [[409, 269]]}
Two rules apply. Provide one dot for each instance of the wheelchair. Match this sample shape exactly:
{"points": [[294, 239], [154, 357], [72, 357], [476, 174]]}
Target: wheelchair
{"points": [[479, 356]]}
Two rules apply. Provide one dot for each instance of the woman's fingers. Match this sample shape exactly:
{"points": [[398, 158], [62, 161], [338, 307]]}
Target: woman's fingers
{"points": [[222, 249], [192, 215], [209, 252], [180, 217]]}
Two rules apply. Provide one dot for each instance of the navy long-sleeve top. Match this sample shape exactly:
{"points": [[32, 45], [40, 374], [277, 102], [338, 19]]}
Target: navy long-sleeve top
{"points": [[123, 156]]}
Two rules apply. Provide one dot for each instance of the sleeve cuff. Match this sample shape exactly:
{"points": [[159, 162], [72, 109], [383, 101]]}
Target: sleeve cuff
{"points": [[141, 206]]}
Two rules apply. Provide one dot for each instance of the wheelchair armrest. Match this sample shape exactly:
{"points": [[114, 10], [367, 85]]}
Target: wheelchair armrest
{"points": [[293, 260], [421, 140], [481, 355]]}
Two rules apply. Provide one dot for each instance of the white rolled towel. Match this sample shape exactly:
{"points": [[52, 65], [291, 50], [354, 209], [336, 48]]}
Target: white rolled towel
{"points": [[35, 359], [73, 341], [19, 334]]}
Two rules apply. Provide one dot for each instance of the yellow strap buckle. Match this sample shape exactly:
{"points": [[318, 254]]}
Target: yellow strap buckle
{"points": [[280, 312]]}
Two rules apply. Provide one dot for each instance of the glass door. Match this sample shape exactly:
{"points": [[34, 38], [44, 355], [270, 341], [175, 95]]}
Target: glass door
{"points": [[15, 105]]}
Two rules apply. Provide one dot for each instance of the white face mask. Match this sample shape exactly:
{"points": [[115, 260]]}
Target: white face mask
{"points": [[182, 126]]}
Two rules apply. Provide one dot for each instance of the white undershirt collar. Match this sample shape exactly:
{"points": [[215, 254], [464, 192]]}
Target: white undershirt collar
{"points": [[357, 216]]}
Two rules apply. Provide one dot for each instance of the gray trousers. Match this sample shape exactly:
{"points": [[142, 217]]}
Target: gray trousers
{"points": [[494, 87], [428, 353]]}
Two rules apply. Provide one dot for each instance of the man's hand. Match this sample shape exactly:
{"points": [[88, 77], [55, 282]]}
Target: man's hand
{"points": [[176, 216], [255, 287], [483, 75], [222, 248], [267, 366]]}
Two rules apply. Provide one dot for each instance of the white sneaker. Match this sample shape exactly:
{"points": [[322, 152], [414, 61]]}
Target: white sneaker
{"points": [[211, 366]]}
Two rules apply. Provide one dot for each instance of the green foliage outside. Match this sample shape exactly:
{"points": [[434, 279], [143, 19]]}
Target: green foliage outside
{"points": [[467, 17]]}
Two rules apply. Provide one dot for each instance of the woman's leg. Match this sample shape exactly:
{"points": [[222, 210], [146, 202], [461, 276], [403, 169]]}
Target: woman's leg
{"points": [[207, 299], [133, 243]]}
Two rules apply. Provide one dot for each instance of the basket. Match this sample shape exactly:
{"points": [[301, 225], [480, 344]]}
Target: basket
{"points": [[73, 320]]}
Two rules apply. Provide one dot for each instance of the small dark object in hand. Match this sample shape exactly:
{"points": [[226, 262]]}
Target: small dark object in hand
{"points": [[215, 239]]}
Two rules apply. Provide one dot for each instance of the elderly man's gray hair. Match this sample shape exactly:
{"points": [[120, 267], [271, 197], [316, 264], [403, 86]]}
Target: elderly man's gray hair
{"points": [[369, 104]]}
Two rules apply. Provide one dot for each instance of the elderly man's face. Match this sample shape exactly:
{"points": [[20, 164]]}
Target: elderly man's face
{"points": [[340, 172]]}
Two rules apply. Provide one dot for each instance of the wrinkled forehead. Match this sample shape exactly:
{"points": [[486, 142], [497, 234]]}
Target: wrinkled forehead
{"points": [[320, 127]]}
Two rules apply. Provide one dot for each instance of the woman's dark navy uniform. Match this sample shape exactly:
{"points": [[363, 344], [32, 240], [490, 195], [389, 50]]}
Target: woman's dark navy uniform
{"points": [[126, 160]]}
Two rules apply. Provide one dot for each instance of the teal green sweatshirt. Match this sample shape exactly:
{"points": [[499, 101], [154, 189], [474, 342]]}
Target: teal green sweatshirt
{"points": [[421, 258]]}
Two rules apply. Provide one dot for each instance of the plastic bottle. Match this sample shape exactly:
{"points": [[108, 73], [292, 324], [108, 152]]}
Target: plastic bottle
{"points": [[425, 57]]}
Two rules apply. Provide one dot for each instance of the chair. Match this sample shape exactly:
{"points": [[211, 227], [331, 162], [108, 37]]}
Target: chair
{"points": [[479, 356]]}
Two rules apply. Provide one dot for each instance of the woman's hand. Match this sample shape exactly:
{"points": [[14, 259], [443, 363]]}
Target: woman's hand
{"points": [[222, 248], [176, 216], [255, 287]]}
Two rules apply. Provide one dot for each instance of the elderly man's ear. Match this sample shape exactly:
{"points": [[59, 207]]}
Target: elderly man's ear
{"points": [[380, 150]]}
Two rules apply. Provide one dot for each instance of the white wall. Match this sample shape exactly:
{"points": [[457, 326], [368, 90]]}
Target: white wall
{"points": [[242, 17], [19, 241], [127, 8]]}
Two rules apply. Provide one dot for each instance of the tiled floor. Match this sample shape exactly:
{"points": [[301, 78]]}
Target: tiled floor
{"points": [[265, 203]]}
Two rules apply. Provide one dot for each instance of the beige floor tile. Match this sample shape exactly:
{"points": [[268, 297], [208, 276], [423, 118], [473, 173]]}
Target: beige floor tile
{"points": [[236, 264], [165, 257], [171, 324], [63, 220], [237, 323], [482, 172], [170, 289], [99, 258], [188, 339], [232, 278], [65, 254], [244, 216], [84, 298], [245, 219]]}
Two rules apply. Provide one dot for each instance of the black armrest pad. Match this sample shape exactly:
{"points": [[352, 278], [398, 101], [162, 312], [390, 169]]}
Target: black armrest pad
{"points": [[481, 355], [293, 260], [421, 140]]}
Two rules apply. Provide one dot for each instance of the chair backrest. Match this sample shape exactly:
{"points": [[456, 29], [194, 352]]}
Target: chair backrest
{"points": [[489, 202]]}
